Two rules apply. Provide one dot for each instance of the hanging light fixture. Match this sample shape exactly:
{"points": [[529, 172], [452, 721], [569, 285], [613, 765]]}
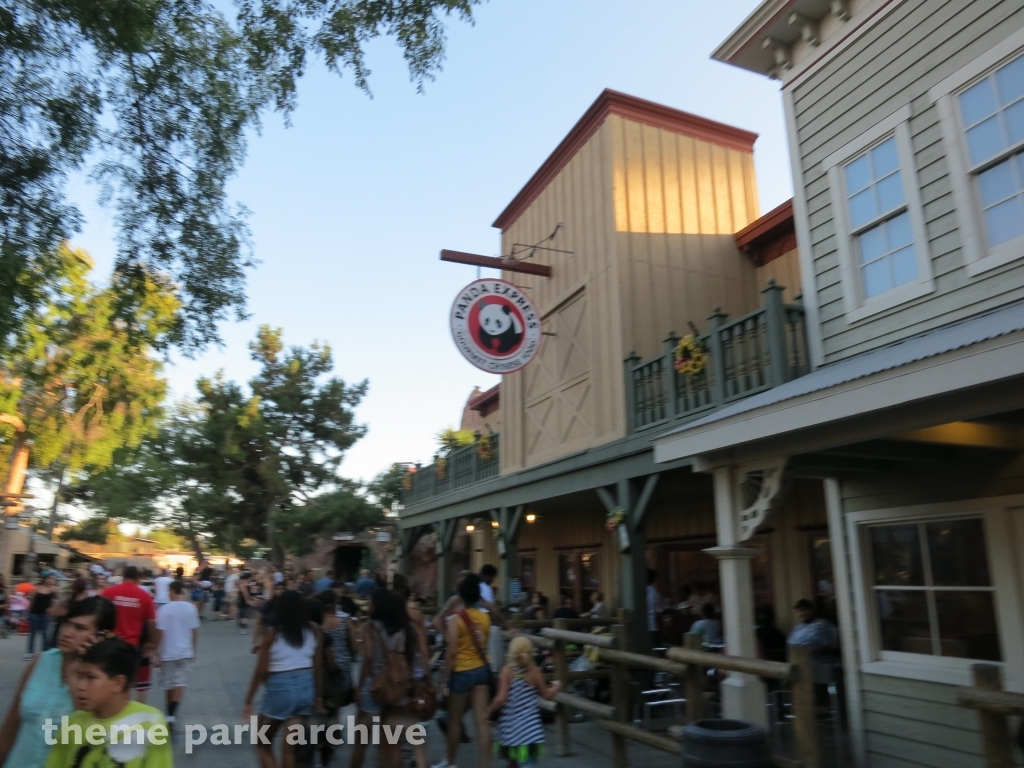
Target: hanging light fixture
{"points": [[531, 518]]}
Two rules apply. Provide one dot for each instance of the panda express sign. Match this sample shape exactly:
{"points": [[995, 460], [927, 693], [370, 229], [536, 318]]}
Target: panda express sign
{"points": [[495, 326]]}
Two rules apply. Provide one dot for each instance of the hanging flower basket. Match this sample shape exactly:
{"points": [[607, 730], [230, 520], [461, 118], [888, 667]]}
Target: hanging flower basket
{"points": [[484, 448], [690, 356], [615, 518], [407, 481], [441, 468]]}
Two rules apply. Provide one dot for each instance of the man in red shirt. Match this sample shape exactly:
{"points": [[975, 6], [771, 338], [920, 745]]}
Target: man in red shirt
{"points": [[136, 622]]}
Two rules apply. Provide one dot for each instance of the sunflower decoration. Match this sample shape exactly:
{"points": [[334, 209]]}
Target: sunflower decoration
{"points": [[441, 468], [615, 518], [484, 448], [690, 356]]}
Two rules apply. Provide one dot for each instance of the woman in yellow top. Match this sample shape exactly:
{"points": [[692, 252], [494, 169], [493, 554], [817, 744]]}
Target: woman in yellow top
{"points": [[468, 672]]}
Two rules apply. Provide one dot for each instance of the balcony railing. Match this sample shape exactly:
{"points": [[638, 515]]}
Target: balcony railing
{"points": [[462, 467], [750, 354]]}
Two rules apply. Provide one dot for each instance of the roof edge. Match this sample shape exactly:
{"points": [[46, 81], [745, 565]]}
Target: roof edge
{"points": [[749, 29], [776, 218], [639, 110]]}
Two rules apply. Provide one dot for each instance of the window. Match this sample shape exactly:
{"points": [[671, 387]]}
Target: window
{"points": [[992, 112], [933, 590], [880, 235], [528, 572], [982, 111], [578, 577], [879, 219]]}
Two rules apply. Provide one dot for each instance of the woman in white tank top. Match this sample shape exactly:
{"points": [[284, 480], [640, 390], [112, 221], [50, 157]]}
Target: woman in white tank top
{"points": [[289, 667]]}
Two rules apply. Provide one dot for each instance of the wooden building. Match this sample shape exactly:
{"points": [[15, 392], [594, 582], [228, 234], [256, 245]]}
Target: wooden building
{"points": [[906, 125], [658, 211]]}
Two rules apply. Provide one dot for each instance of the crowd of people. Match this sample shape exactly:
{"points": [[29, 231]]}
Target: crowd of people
{"points": [[322, 647]]}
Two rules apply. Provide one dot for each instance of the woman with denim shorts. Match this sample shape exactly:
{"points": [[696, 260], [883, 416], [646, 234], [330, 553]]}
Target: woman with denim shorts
{"points": [[289, 668], [468, 672]]}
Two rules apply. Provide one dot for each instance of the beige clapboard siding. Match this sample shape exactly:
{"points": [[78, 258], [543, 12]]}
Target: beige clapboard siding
{"points": [[785, 271], [678, 202], [578, 197], [651, 216], [913, 723], [916, 45]]}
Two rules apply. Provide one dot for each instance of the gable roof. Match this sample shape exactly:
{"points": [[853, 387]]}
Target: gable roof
{"points": [[632, 108]]}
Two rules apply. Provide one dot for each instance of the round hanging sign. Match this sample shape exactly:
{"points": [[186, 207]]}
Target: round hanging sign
{"points": [[495, 326]]}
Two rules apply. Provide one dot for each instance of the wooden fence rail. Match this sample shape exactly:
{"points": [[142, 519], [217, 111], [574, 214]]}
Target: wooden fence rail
{"points": [[994, 706], [691, 665]]}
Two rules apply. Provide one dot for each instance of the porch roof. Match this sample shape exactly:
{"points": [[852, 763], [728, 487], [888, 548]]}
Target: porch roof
{"points": [[693, 438]]}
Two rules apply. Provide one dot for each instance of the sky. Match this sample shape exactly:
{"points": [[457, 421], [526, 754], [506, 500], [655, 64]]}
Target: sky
{"points": [[351, 205]]}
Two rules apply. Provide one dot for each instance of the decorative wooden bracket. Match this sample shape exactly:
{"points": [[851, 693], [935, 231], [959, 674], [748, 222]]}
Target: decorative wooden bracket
{"points": [[841, 9], [758, 486], [808, 28], [509, 265]]}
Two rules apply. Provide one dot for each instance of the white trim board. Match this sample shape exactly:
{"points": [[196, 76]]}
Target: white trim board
{"points": [[856, 305], [982, 363], [978, 257]]}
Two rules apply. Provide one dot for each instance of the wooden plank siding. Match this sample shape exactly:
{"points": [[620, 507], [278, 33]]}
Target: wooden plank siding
{"points": [[650, 216], [785, 271], [919, 43], [909, 723]]}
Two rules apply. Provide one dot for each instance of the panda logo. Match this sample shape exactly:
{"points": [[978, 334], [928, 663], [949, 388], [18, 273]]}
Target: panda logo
{"points": [[501, 331]]}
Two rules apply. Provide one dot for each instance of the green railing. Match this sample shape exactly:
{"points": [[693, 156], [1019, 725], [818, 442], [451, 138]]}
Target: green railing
{"points": [[750, 354], [460, 468]]}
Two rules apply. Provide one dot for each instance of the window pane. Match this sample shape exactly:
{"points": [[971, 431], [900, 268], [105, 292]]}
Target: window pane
{"points": [[904, 265], [591, 573], [903, 617], [1015, 122], [890, 193], [985, 140], [899, 231], [1004, 222], [858, 175], [1010, 81], [957, 550], [995, 184], [872, 244], [885, 158], [977, 102], [876, 278], [862, 208], [897, 554], [967, 625]]}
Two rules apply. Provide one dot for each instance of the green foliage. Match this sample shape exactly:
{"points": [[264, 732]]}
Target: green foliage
{"points": [[450, 440], [230, 465], [387, 487], [341, 510], [160, 94], [94, 529], [78, 382]]}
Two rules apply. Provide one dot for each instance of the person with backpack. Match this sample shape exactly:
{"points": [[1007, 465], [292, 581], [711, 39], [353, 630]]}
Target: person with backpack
{"points": [[520, 732], [468, 672], [289, 666], [390, 647], [338, 651]]}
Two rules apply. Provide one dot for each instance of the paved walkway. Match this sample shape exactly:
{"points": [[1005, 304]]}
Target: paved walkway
{"points": [[220, 678]]}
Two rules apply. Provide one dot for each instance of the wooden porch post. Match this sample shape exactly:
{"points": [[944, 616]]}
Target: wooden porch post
{"points": [[743, 695], [407, 539], [995, 728], [445, 536], [508, 548], [633, 568]]}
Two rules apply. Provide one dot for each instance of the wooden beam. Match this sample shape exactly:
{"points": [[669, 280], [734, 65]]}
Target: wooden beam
{"points": [[476, 260], [607, 499], [513, 526], [645, 499]]}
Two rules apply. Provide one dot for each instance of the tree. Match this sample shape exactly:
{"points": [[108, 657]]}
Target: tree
{"points": [[79, 382], [161, 94], [94, 530], [340, 510], [232, 465]]}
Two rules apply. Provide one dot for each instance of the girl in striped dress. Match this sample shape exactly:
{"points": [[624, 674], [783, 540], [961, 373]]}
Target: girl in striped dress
{"points": [[519, 737]]}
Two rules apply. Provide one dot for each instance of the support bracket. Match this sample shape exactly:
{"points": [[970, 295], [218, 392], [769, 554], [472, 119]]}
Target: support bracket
{"points": [[758, 486]]}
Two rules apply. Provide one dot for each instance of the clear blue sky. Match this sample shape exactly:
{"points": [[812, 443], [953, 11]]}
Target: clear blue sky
{"points": [[351, 204]]}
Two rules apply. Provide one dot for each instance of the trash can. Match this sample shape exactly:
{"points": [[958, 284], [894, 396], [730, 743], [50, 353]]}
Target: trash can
{"points": [[725, 744]]}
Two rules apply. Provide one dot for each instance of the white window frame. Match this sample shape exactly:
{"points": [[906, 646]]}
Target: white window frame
{"points": [[857, 306], [995, 513], [978, 257]]}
